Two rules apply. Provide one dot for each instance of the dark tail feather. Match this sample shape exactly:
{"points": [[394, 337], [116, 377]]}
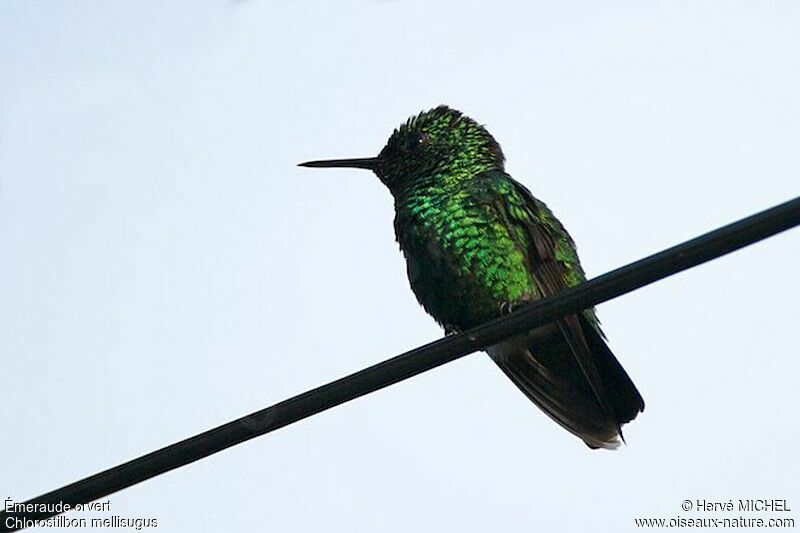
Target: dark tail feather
{"points": [[542, 365], [622, 394]]}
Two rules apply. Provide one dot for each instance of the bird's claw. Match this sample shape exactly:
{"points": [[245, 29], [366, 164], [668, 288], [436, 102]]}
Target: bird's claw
{"points": [[450, 329], [506, 308]]}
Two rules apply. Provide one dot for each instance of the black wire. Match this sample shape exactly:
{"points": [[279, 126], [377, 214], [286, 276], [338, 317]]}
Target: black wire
{"points": [[615, 283]]}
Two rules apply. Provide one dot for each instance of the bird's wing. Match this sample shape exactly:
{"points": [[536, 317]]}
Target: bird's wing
{"points": [[554, 264]]}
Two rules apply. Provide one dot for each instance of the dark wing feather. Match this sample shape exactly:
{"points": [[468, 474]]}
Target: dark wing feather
{"points": [[554, 265]]}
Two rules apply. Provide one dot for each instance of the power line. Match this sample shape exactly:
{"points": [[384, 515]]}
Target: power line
{"points": [[600, 289]]}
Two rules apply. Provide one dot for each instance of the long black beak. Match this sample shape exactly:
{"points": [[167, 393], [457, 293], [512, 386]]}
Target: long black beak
{"points": [[364, 162]]}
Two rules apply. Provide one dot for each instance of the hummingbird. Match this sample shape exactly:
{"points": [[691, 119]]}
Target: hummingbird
{"points": [[477, 245]]}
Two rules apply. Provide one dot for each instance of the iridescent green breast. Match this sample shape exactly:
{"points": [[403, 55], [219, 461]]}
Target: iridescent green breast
{"points": [[464, 261]]}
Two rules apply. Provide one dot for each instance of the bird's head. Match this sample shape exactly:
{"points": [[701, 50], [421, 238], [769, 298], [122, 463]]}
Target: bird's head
{"points": [[440, 144]]}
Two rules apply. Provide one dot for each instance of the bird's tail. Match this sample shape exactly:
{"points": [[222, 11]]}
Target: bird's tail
{"points": [[545, 369]]}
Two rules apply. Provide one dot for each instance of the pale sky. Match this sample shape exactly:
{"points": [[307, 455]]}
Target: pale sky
{"points": [[165, 267]]}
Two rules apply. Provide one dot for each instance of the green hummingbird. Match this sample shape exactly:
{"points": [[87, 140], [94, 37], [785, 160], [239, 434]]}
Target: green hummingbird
{"points": [[477, 244]]}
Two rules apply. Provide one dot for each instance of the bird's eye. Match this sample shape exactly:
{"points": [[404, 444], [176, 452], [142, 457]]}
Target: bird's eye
{"points": [[417, 140]]}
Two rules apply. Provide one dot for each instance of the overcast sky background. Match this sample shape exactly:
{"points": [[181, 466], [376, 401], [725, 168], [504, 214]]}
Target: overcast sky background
{"points": [[165, 267]]}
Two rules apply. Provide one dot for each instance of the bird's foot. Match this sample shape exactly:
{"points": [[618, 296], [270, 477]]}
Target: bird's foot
{"points": [[506, 308], [450, 329]]}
